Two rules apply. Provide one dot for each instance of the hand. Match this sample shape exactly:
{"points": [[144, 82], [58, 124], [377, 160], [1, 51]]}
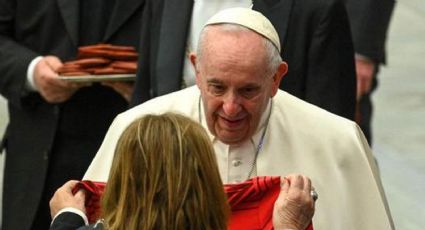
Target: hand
{"points": [[63, 198], [294, 208], [123, 88], [365, 69], [51, 88]]}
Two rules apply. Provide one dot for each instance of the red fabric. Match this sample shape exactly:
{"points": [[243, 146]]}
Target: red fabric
{"points": [[252, 203], [94, 191]]}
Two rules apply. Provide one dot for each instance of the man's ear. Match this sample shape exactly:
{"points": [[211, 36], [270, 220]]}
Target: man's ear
{"points": [[193, 60], [277, 77], [192, 57]]}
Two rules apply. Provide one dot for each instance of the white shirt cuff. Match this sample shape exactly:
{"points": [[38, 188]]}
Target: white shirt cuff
{"points": [[73, 210], [30, 74], [362, 57]]}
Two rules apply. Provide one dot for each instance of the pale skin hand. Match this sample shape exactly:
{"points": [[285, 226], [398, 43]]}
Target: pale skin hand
{"points": [[51, 88], [123, 88], [364, 69], [63, 198], [294, 208]]}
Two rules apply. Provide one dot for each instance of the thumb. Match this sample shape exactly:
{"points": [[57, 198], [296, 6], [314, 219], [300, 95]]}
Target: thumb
{"points": [[80, 194], [80, 197], [285, 185], [54, 62], [284, 189]]}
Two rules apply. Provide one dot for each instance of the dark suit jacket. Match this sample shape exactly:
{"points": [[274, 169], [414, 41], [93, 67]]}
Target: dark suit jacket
{"points": [[50, 27], [72, 221], [315, 40], [369, 20]]}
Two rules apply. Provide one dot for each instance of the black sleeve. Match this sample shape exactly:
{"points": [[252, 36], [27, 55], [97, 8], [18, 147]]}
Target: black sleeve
{"points": [[67, 221], [369, 21], [14, 57]]}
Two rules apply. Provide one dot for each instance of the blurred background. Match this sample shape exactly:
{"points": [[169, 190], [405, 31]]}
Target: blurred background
{"points": [[399, 131], [399, 124]]}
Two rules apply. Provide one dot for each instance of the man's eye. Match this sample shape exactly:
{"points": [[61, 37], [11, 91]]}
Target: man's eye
{"points": [[249, 92], [217, 89]]}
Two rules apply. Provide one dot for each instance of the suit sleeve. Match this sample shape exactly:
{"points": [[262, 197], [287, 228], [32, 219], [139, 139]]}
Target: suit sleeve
{"points": [[67, 221], [14, 58], [331, 80], [369, 21]]}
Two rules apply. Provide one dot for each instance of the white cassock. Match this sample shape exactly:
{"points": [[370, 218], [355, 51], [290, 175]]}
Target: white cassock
{"points": [[300, 138]]}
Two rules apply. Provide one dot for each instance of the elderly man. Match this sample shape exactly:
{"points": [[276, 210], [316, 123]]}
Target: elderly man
{"points": [[257, 129], [315, 38]]}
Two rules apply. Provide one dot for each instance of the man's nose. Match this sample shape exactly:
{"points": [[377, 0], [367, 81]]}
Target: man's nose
{"points": [[231, 105]]}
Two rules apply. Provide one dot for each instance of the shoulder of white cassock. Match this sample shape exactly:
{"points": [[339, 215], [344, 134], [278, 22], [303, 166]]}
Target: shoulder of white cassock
{"points": [[183, 102]]}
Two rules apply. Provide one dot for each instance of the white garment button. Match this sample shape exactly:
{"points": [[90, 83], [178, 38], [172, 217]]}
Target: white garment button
{"points": [[236, 163]]}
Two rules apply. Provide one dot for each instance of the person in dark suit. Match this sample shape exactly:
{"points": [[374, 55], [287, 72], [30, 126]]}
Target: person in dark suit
{"points": [[369, 20], [55, 127], [315, 38]]}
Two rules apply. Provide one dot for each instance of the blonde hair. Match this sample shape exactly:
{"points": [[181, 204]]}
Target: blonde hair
{"points": [[164, 176]]}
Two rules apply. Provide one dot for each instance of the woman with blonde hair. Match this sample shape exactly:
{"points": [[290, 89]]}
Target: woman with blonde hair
{"points": [[164, 176]]}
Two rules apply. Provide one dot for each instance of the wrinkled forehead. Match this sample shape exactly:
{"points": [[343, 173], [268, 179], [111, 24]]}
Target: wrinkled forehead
{"points": [[233, 44]]}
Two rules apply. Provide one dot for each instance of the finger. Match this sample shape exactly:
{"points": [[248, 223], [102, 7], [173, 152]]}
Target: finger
{"points": [[367, 85], [61, 87], [296, 182], [68, 186], [80, 194], [362, 87], [78, 85], [308, 188], [283, 194], [307, 184], [43, 70], [358, 89], [50, 80], [285, 185], [54, 62], [80, 198]]}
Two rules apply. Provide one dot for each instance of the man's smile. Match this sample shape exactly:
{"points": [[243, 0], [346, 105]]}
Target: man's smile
{"points": [[231, 123]]}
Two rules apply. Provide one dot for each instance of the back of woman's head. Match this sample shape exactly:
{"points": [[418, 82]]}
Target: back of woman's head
{"points": [[164, 176]]}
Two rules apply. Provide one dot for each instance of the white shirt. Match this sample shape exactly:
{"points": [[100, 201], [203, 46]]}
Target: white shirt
{"points": [[30, 85]]}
